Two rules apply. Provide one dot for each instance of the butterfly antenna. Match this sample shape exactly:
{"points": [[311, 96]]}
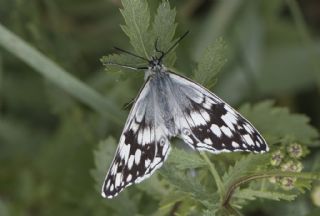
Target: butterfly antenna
{"points": [[175, 44], [126, 66], [157, 49], [130, 53]]}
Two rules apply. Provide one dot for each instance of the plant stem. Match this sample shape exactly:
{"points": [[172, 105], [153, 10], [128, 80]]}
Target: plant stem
{"points": [[214, 173]]}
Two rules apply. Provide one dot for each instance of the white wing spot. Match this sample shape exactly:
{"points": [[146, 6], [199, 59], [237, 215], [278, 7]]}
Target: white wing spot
{"points": [[248, 128], [140, 134], [134, 126], [151, 135], [205, 115], [124, 152], [216, 130], [207, 105], [137, 156], [207, 141], [248, 139], [228, 121], [108, 183], [129, 177], [146, 135], [197, 119], [111, 187], [130, 162], [114, 169], [229, 109], [257, 144], [226, 131], [118, 179], [259, 139], [235, 144], [147, 162]]}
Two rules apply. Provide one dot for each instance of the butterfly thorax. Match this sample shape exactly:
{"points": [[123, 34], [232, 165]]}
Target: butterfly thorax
{"points": [[155, 67]]}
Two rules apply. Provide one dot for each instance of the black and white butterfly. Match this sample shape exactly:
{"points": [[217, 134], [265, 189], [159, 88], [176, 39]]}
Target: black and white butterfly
{"points": [[170, 105]]}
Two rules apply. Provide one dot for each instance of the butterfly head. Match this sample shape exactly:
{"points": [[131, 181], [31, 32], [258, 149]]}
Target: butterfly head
{"points": [[155, 64]]}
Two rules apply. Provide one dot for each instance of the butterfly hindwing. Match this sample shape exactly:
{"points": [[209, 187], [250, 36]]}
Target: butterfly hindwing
{"points": [[142, 148], [208, 123]]}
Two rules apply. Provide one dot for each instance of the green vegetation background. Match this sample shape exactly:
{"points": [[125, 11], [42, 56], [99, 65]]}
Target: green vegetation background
{"points": [[61, 116]]}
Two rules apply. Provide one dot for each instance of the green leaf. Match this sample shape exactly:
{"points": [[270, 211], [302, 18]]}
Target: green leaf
{"points": [[154, 187], [182, 159], [210, 63], [245, 166], [278, 124], [137, 18], [188, 184], [143, 35], [208, 213], [103, 156], [251, 194], [263, 174], [171, 199], [111, 60], [142, 38], [164, 27]]}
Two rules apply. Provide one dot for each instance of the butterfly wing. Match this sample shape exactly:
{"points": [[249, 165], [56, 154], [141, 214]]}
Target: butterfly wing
{"points": [[208, 123], [143, 146]]}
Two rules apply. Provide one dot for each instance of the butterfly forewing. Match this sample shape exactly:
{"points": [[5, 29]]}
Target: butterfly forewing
{"points": [[208, 123], [143, 146]]}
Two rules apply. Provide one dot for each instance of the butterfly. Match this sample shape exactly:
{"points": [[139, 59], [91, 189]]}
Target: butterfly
{"points": [[170, 105]]}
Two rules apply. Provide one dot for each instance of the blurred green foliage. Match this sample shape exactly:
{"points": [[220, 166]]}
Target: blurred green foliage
{"points": [[59, 130]]}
